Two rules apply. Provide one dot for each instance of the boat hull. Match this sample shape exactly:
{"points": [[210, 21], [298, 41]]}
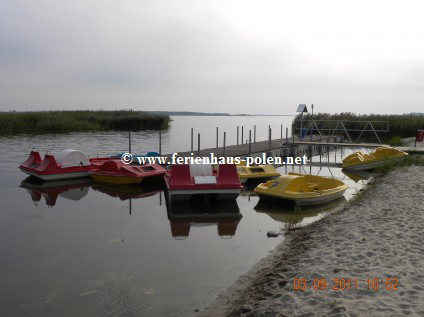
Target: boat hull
{"points": [[359, 161], [114, 179], [308, 201], [185, 181], [371, 165], [72, 164], [219, 194], [58, 176], [303, 189]]}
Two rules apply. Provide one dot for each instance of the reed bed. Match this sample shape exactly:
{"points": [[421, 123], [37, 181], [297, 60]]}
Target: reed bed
{"points": [[400, 126], [76, 121]]}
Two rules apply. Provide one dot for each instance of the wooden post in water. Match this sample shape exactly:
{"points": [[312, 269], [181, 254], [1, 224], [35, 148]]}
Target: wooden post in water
{"points": [[130, 206], [198, 144], [129, 142], [270, 137], [287, 135], [254, 134], [160, 142], [216, 137], [281, 132], [237, 135], [191, 139], [225, 136], [328, 154], [242, 130], [250, 141]]}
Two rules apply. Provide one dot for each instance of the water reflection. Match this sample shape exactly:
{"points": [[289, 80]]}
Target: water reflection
{"points": [[70, 189], [357, 176], [288, 213], [125, 192], [248, 190], [182, 215], [200, 212]]}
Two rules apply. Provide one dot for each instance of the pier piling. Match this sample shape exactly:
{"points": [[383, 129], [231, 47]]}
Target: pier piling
{"points": [[250, 142], [129, 141], [225, 136], [198, 144], [191, 139]]}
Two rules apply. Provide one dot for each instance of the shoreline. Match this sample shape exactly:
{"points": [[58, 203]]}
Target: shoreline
{"points": [[377, 235]]}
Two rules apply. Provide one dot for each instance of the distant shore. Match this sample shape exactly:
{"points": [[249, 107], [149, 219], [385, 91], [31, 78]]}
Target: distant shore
{"points": [[78, 121], [217, 114], [378, 235]]}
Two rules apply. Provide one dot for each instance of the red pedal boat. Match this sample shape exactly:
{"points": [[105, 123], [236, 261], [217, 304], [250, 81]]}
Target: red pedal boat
{"points": [[116, 172], [67, 164], [185, 180]]}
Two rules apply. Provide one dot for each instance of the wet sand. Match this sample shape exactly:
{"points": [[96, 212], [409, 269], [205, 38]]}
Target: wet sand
{"points": [[378, 235]]}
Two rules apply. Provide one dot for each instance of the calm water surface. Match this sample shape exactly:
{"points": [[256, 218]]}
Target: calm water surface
{"points": [[77, 249]]}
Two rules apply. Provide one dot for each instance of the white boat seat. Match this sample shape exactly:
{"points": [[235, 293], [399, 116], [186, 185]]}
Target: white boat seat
{"points": [[202, 174], [200, 170], [204, 179]]}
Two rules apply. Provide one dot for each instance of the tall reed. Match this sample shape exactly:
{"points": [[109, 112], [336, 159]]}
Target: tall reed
{"points": [[74, 121]]}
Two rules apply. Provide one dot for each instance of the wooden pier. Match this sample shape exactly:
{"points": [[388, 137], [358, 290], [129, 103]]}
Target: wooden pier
{"points": [[321, 143], [284, 147], [247, 149]]}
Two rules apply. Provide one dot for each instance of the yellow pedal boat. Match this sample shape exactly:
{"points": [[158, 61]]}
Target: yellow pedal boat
{"points": [[303, 189], [256, 172], [359, 161]]}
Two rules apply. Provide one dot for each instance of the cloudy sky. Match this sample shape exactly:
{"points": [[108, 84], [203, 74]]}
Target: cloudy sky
{"points": [[248, 56]]}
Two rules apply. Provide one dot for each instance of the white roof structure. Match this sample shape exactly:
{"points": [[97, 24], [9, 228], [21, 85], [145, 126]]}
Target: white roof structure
{"points": [[68, 158]]}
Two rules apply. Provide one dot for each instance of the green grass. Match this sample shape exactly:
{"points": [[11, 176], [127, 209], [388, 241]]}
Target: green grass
{"points": [[394, 164], [400, 126], [395, 140], [75, 121]]}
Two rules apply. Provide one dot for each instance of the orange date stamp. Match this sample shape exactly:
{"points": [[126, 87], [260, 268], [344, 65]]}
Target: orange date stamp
{"points": [[341, 284]]}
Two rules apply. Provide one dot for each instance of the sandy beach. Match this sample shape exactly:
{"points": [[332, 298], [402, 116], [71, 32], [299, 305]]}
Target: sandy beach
{"points": [[365, 259]]}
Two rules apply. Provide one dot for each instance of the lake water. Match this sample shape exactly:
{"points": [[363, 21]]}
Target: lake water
{"points": [[79, 249]]}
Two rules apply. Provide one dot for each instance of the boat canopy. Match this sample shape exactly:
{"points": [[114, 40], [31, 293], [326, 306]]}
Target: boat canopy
{"points": [[202, 174], [200, 170], [69, 157]]}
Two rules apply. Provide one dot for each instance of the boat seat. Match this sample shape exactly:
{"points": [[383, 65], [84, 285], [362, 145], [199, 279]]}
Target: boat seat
{"points": [[200, 170], [202, 174], [312, 186]]}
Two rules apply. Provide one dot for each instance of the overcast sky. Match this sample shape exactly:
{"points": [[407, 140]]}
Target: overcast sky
{"points": [[237, 56]]}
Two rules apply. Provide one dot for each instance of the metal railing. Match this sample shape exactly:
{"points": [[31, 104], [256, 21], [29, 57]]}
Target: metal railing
{"points": [[347, 127]]}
